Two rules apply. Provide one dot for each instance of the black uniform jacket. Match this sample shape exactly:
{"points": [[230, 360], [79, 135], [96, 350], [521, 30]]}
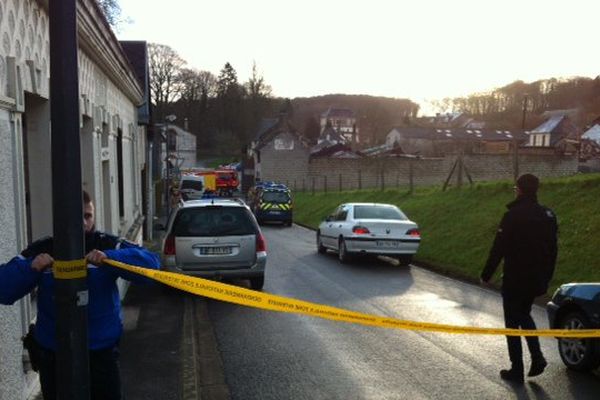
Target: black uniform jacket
{"points": [[527, 241]]}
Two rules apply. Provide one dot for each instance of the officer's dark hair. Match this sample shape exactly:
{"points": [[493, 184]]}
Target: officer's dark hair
{"points": [[528, 184], [86, 198]]}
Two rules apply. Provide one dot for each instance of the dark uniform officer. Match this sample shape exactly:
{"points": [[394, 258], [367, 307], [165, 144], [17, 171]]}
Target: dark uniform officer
{"points": [[527, 241]]}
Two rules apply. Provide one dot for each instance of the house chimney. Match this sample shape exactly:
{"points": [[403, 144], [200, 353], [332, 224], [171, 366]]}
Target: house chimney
{"points": [[185, 124]]}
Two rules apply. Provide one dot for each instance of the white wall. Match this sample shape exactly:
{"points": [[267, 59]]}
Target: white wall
{"points": [[106, 99]]}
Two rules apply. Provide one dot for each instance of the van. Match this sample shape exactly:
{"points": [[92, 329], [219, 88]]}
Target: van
{"points": [[193, 185], [271, 202]]}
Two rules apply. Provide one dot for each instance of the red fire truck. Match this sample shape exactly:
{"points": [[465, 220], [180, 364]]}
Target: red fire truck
{"points": [[227, 181]]}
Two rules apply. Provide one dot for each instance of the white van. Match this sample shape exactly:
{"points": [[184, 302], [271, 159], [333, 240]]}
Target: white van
{"points": [[191, 187]]}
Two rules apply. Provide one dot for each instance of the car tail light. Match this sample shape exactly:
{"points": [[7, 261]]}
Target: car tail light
{"points": [[169, 249], [360, 230], [261, 243], [413, 232]]}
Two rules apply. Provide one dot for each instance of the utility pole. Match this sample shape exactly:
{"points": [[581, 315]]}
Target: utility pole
{"points": [[170, 143], [71, 293]]}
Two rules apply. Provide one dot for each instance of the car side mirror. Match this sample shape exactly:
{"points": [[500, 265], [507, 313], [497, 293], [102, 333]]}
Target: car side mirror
{"points": [[328, 218]]}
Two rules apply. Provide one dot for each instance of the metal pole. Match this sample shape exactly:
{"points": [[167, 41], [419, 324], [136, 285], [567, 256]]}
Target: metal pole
{"points": [[72, 357], [359, 179], [411, 176], [167, 172]]}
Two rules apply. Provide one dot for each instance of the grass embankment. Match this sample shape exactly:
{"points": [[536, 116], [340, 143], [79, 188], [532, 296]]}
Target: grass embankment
{"points": [[458, 226]]}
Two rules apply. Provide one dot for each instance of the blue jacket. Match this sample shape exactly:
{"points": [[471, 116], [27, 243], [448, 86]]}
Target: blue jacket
{"points": [[105, 326]]}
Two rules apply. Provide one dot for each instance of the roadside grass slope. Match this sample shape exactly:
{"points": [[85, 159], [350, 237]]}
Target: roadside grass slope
{"points": [[458, 226]]}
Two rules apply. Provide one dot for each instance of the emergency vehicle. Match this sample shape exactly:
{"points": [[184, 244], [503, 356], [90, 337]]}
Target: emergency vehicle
{"points": [[226, 181], [271, 201], [194, 183]]}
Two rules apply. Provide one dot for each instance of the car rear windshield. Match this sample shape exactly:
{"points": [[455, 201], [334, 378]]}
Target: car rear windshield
{"points": [[275, 197], [377, 212], [190, 184], [213, 221]]}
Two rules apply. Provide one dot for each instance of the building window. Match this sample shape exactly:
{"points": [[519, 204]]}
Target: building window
{"points": [[284, 144]]}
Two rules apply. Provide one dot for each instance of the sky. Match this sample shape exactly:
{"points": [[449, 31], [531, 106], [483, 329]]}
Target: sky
{"points": [[419, 49]]}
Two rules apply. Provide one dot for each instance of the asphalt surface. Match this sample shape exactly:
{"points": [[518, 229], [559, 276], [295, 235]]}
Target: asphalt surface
{"points": [[268, 355], [178, 346]]}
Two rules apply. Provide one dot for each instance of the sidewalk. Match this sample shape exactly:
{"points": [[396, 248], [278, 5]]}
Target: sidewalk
{"points": [[152, 342], [169, 350]]}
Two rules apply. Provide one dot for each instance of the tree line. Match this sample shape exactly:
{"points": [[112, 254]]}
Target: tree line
{"points": [[504, 107], [222, 112], [225, 114]]}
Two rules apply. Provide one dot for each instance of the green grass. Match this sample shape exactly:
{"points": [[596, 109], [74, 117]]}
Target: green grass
{"points": [[458, 226]]}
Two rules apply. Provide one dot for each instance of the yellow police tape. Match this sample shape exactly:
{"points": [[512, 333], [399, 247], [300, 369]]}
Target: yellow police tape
{"points": [[266, 301], [72, 269]]}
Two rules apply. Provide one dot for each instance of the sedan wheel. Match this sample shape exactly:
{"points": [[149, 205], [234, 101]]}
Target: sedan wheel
{"points": [[343, 252], [320, 248], [578, 354]]}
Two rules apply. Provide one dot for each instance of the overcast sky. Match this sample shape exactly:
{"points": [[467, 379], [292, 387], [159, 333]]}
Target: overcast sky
{"points": [[417, 49]]}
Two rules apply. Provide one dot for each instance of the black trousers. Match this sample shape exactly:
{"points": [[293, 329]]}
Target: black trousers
{"points": [[105, 377], [517, 315]]}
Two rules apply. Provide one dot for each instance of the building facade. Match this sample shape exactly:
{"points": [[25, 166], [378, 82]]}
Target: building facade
{"points": [[341, 121], [113, 150]]}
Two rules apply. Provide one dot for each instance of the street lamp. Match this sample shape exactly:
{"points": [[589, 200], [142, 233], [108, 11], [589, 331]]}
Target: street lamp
{"points": [[168, 119]]}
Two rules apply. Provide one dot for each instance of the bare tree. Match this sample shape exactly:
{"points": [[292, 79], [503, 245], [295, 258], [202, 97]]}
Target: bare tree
{"points": [[165, 84], [195, 85], [258, 95], [256, 86], [112, 11]]}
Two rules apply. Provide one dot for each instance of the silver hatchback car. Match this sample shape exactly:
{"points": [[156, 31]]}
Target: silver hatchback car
{"points": [[215, 238]]}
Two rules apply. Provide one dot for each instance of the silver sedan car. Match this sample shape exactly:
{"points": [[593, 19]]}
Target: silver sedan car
{"points": [[369, 228]]}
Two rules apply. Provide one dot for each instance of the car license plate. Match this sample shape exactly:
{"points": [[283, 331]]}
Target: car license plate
{"points": [[275, 212], [387, 243], [212, 251]]}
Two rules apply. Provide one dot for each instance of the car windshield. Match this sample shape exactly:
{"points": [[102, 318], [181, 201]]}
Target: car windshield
{"points": [[377, 212], [275, 197], [190, 184], [213, 221]]}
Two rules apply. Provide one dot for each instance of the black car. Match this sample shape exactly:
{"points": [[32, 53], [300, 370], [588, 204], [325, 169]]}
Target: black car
{"points": [[577, 306]]}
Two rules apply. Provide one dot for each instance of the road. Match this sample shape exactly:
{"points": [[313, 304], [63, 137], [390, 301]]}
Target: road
{"points": [[269, 355]]}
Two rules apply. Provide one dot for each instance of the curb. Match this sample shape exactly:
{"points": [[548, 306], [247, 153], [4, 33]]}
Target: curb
{"points": [[202, 368]]}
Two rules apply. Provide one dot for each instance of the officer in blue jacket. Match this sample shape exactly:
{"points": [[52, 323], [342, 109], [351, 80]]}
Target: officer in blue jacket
{"points": [[33, 268]]}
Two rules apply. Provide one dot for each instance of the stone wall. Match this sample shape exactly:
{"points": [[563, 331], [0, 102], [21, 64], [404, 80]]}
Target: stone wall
{"points": [[286, 163], [333, 174]]}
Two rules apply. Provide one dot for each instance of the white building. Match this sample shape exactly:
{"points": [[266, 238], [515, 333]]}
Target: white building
{"points": [[341, 121], [113, 148], [183, 145]]}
